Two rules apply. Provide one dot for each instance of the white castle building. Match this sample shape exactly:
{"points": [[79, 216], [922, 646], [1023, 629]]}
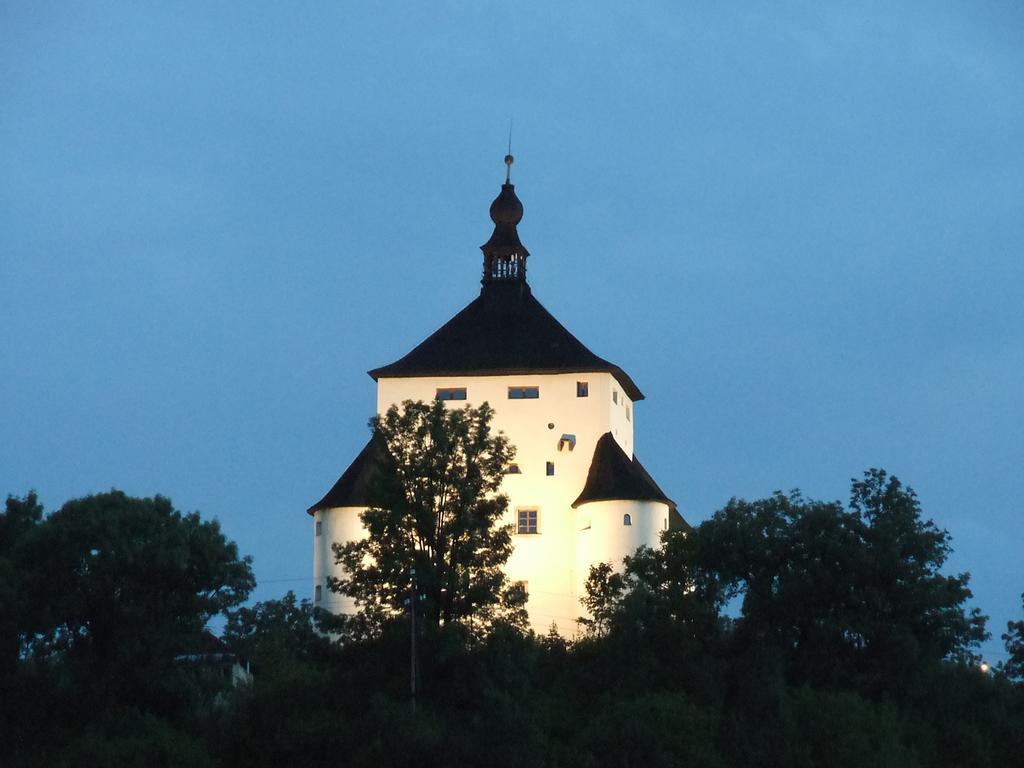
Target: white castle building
{"points": [[577, 493]]}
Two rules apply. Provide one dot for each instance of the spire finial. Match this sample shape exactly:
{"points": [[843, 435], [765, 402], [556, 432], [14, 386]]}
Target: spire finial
{"points": [[508, 158], [504, 254]]}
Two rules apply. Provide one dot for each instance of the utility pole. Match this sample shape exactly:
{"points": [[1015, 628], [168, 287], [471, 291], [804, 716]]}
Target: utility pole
{"points": [[412, 637]]}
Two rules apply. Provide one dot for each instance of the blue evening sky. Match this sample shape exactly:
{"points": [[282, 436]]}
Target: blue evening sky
{"points": [[797, 225]]}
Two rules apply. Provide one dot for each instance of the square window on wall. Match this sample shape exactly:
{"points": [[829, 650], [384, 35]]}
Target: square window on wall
{"points": [[526, 521], [582, 389], [523, 393]]}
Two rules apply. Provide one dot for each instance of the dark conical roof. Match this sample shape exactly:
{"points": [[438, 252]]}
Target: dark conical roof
{"points": [[505, 330], [354, 487], [613, 476]]}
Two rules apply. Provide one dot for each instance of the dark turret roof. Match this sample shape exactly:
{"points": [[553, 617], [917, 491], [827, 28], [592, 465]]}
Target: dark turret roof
{"points": [[355, 486], [613, 476], [506, 212], [505, 330]]}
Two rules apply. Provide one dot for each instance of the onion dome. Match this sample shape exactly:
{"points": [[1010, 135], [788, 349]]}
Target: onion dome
{"points": [[506, 208], [504, 254]]}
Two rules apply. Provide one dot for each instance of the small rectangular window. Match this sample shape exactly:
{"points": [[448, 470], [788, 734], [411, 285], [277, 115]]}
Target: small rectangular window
{"points": [[550, 469], [319, 527], [627, 413], [451, 393], [523, 393], [317, 593], [582, 389], [527, 521], [615, 396]]}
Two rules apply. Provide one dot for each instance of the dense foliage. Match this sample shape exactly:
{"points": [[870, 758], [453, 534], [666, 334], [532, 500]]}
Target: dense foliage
{"points": [[779, 632], [436, 515], [99, 598], [837, 594], [1014, 639]]}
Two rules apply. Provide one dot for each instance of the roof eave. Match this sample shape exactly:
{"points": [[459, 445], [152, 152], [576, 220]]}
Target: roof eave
{"points": [[617, 373], [580, 501], [350, 490]]}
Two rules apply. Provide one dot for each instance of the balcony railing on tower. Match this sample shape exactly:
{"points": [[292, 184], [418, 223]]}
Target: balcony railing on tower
{"points": [[505, 268]]}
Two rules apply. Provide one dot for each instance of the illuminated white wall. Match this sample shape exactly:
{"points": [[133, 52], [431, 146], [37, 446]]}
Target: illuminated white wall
{"points": [[546, 561], [555, 561], [337, 524], [609, 539]]}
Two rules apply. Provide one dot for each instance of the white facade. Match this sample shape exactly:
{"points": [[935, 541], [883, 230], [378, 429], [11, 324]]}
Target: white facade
{"points": [[555, 561], [573, 437], [339, 524]]}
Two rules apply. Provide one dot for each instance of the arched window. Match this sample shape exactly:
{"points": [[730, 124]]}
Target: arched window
{"points": [[627, 519]]}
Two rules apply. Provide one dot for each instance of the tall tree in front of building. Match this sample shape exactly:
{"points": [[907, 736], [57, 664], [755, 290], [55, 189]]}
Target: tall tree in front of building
{"points": [[434, 535]]}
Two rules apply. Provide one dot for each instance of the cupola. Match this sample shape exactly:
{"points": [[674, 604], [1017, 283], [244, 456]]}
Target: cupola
{"points": [[504, 255]]}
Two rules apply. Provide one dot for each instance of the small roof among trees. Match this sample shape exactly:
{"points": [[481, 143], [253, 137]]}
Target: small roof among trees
{"points": [[613, 476], [354, 487]]}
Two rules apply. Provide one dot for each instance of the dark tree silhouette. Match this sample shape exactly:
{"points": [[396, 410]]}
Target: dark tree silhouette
{"points": [[438, 512], [1014, 639]]}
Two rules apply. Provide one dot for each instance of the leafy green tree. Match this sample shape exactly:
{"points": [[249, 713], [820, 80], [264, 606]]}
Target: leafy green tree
{"points": [[274, 632], [659, 600], [111, 588], [656, 729], [604, 590], [125, 737], [17, 520], [438, 512], [842, 591], [915, 608], [1014, 639], [19, 517], [809, 728], [839, 593], [797, 566], [119, 585]]}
